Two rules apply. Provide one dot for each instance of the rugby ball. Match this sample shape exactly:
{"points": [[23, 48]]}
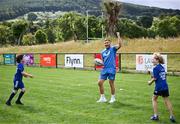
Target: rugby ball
{"points": [[98, 61]]}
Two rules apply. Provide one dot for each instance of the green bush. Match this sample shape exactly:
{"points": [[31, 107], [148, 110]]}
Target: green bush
{"points": [[50, 35], [4, 33], [29, 39], [129, 28], [41, 37]]}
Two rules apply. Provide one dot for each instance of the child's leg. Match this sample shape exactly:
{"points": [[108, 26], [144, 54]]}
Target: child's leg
{"points": [[168, 105], [154, 103], [11, 97], [20, 95]]}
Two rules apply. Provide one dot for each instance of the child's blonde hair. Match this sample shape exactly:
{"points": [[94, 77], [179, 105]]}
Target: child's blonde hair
{"points": [[159, 57]]}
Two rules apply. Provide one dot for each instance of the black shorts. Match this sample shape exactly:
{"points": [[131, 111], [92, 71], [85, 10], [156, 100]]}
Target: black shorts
{"points": [[163, 93]]}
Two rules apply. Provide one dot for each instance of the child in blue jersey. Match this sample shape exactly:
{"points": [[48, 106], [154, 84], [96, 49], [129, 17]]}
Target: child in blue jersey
{"points": [[109, 69], [161, 86], [18, 83]]}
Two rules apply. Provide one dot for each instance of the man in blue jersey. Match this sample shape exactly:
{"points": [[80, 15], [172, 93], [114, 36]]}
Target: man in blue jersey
{"points": [[18, 83], [109, 69]]}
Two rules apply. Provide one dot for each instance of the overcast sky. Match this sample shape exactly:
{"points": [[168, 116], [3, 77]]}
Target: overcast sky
{"points": [[173, 4]]}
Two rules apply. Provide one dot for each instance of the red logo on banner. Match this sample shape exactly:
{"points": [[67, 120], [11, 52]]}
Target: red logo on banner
{"points": [[98, 55], [140, 59], [48, 60]]}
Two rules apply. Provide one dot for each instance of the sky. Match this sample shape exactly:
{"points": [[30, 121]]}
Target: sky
{"points": [[168, 4]]}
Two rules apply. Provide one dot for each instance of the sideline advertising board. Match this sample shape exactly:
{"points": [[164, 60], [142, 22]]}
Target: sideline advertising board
{"points": [[144, 62], [74, 60], [48, 60], [29, 59], [9, 59]]}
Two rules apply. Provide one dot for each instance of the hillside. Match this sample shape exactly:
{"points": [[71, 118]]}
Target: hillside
{"points": [[11, 9], [129, 45]]}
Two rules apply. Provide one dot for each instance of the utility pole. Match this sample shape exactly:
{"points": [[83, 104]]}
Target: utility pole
{"points": [[87, 28]]}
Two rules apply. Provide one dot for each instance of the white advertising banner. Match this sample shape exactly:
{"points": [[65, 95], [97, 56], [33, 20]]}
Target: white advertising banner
{"points": [[144, 62], [74, 60]]}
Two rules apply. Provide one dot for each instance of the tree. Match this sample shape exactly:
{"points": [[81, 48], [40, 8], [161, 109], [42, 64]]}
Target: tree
{"points": [[31, 17], [19, 29], [167, 27], [28, 39], [47, 23], [41, 37], [80, 27], [65, 26], [95, 26], [33, 28], [130, 29], [50, 35], [112, 9], [11, 38], [4, 34], [151, 33], [69, 25], [175, 21], [145, 21]]}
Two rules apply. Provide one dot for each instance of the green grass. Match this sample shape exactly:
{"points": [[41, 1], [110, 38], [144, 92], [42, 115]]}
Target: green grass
{"points": [[67, 96]]}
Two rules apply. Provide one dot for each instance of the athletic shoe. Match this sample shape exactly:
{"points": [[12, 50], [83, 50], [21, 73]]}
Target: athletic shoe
{"points": [[19, 102], [112, 100], [172, 119], [8, 103], [102, 100], [155, 118]]}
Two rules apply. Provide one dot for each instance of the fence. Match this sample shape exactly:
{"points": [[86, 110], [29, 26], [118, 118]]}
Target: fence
{"points": [[126, 61]]}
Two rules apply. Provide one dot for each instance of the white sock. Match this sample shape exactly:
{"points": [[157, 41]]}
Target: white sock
{"points": [[113, 96], [102, 96], [155, 115]]}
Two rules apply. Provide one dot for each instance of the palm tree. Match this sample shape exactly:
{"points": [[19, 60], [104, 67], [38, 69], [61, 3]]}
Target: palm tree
{"points": [[112, 9]]}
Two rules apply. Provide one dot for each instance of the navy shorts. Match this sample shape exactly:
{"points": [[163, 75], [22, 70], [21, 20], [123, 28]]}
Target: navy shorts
{"points": [[18, 85], [163, 93]]}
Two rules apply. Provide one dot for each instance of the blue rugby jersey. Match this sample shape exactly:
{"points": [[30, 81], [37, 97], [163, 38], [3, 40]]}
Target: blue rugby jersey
{"points": [[160, 75], [18, 75], [109, 59]]}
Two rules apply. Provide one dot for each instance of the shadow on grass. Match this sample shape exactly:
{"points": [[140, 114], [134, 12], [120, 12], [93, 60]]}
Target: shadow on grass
{"points": [[118, 104], [30, 109]]}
